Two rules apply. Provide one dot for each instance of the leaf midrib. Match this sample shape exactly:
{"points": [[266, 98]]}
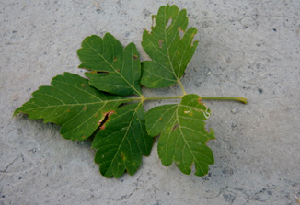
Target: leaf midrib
{"points": [[168, 55], [125, 135]]}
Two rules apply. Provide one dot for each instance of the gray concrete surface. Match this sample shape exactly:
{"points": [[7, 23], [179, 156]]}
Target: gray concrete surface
{"points": [[247, 48]]}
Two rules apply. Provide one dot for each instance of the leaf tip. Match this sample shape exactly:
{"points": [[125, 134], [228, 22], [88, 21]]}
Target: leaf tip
{"points": [[16, 112]]}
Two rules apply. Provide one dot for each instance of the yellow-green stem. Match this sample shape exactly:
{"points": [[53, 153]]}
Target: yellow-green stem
{"points": [[240, 99], [181, 86]]}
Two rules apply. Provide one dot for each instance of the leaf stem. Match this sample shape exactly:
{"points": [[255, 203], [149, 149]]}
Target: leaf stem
{"points": [[161, 98], [181, 86], [240, 99]]}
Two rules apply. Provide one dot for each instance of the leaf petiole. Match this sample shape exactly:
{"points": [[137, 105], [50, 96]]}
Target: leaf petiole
{"points": [[181, 86], [239, 99]]}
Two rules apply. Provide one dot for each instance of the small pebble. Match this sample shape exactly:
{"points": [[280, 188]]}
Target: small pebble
{"points": [[234, 111]]}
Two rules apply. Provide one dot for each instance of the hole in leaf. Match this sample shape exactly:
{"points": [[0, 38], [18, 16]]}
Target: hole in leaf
{"points": [[192, 42], [181, 33], [153, 21], [102, 127], [99, 72], [187, 111], [169, 22], [101, 123]]}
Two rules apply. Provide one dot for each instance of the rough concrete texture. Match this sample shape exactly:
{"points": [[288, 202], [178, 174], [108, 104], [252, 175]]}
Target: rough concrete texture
{"points": [[247, 48]]}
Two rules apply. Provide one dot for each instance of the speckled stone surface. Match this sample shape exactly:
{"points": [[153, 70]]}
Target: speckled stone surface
{"points": [[247, 48]]}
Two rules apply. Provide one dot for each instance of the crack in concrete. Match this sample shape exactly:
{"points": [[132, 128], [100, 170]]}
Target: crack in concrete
{"points": [[128, 195], [5, 170]]}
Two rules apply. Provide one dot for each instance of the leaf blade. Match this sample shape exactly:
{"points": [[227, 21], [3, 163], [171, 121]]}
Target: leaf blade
{"points": [[122, 143], [182, 134], [115, 70], [72, 103], [169, 52]]}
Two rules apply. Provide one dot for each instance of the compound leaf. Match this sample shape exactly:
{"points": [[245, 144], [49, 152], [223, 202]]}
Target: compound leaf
{"points": [[122, 134], [123, 141], [72, 103], [115, 70], [169, 52], [182, 134]]}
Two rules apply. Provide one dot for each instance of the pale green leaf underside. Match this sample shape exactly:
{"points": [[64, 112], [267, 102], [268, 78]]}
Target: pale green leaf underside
{"points": [[169, 52], [182, 134], [123, 141], [115, 70], [72, 103]]}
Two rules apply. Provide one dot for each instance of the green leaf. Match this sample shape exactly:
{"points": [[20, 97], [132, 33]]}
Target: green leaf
{"points": [[122, 133], [72, 103], [169, 52], [115, 70], [122, 142], [182, 134]]}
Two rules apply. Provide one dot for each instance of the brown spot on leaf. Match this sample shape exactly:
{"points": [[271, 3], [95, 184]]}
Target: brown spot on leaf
{"points": [[115, 60], [200, 101], [175, 127], [160, 42], [102, 127], [101, 123], [83, 85], [122, 156], [96, 115], [160, 118], [68, 110], [83, 137], [118, 70], [135, 57], [109, 113], [85, 108]]}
